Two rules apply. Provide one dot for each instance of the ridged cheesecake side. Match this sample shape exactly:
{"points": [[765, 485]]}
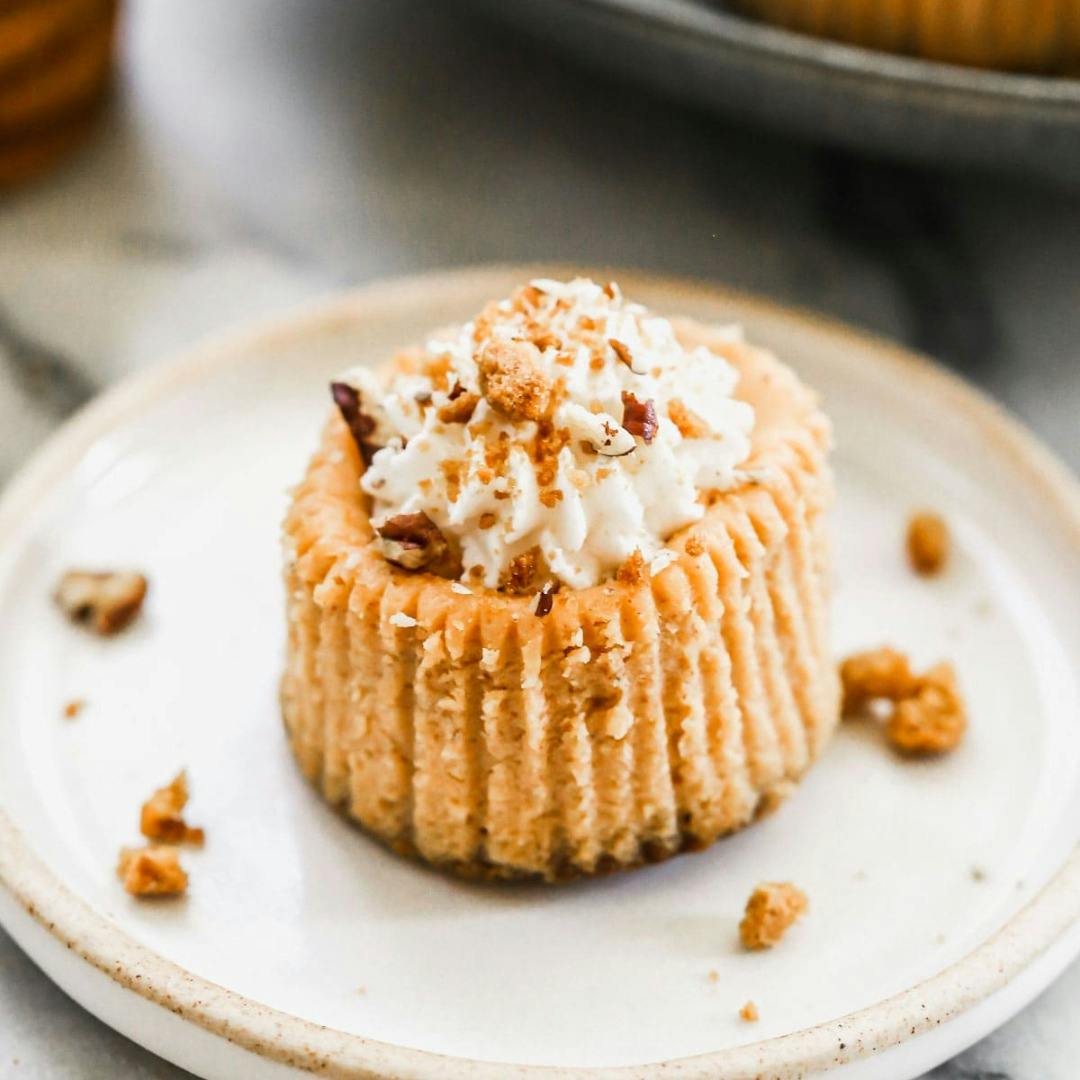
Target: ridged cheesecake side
{"points": [[637, 719]]}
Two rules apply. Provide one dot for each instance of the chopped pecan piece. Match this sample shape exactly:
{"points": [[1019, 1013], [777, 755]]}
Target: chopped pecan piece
{"points": [[876, 673], [153, 870], [634, 570], [513, 379], [771, 909], [413, 542], [162, 815], [927, 543], [932, 720], [360, 424], [104, 601], [639, 417], [545, 599]]}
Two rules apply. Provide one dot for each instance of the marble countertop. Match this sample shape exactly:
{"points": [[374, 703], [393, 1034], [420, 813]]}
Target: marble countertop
{"points": [[259, 153]]}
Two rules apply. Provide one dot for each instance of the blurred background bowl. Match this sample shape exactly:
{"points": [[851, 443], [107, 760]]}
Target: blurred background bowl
{"points": [[833, 91], [55, 61]]}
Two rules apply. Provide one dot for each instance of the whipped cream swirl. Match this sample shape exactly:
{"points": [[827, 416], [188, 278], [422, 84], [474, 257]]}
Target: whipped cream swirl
{"points": [[563, 426]]}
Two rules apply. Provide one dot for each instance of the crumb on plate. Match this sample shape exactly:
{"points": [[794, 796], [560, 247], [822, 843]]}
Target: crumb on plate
{"points": [[873, 674], [162, 815], [153, 870], [927, 543], [933, 719], [73, 708], [749, 1013], [772, 908], [104, 601]]}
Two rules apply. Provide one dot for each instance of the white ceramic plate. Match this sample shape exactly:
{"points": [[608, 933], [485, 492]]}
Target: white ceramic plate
{"points": [[944, 894]]}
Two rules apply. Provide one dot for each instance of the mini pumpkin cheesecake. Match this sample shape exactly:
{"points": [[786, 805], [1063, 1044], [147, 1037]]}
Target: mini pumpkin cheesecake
{"points": [[557, 589], [1020, 35]]}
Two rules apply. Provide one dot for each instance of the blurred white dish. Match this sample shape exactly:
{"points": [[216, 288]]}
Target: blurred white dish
{"points": [[940, 891]]}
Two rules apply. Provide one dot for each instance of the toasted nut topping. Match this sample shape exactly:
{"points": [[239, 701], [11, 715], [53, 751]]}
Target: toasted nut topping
{"points": [[459, 409], [933, 719], [154, 870], [634, 570], [690, 425], [105, 602], [771, 909], [927, 543], [513, 380], [624, 354], [694, 547], [523, 572], [876, 673], [749, 1013], [639, 417], [162, 815], [362, 426], [412, 541], [545, 600]]}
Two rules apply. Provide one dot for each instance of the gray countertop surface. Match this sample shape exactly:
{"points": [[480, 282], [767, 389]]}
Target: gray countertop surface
{"points": [[261, 152]]}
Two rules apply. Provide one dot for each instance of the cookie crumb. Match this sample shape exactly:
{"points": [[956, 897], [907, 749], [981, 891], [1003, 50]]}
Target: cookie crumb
{"points": [[104, 601], [978, 873], [73, 708], [713, 976], [927, 543], [875, 673], [749, 1013], [459, 409], [162, 816], [772, 908], [932, 720], [153, 870], [513, 381]]}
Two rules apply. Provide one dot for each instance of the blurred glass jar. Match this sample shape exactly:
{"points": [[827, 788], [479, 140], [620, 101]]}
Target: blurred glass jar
{"points": [[55, 62]]}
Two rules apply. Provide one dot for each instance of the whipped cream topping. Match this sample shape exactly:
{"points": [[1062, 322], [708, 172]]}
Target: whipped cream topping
{"points": [[555, 435]]}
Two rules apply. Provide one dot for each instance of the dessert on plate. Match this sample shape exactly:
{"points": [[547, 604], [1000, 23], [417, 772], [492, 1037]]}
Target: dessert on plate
{"points": [[557, 589]]}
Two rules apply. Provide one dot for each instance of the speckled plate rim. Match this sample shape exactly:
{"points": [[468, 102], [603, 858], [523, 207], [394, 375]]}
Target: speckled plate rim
{"points": [[1044, 922], [717, 24]]}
